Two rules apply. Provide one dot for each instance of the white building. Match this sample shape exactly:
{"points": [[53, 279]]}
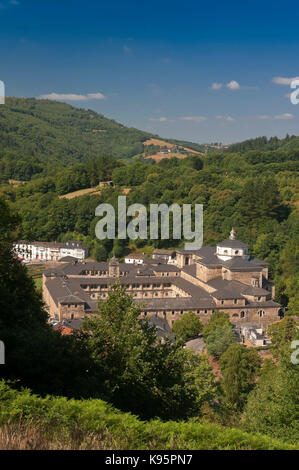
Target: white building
{"points": [[255, 335], [135, 258], [49, 251]]}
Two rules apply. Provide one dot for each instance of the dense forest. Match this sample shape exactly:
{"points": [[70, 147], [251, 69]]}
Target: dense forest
{"points": [[257, 192]]}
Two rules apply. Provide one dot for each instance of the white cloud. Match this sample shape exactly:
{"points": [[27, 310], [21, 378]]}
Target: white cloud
{"points": [[193, 118], [160, 119], [278, 116], [225, 118], [95, 96], [233, 85], [72, 96], [284, 116], [216, 86], [283, 80]]}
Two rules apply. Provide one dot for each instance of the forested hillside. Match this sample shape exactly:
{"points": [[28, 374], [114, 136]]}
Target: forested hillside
{"points": [[41, 136], [263, 143]]}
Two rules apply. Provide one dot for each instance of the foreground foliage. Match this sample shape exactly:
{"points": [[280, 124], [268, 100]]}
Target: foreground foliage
{"points": [[94, 424], [139, 372]]}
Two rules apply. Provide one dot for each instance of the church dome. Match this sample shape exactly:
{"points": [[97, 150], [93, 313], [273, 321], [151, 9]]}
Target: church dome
{"points": [[230, 248]]}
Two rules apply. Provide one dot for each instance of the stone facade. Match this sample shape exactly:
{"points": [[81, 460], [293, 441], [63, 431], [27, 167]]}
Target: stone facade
{"points": [[202, 281]]}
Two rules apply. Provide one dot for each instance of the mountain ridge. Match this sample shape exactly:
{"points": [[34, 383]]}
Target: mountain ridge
{"points": [[47, 133]]}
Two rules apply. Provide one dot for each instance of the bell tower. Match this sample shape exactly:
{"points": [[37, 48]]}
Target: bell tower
{"points": [[113, 267]]}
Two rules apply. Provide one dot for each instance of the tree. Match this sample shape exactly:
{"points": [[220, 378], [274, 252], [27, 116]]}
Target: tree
{"points": [[187, 327], [216, 319], [100, 253], [219, 339], [260, 199], [282, 334], [137, 370], [239, 367], [35, 355], [272, 406]]}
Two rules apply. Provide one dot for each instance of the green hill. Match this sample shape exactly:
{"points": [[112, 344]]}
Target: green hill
{"points": [[37, 135], [266, 144], [62, 423]]}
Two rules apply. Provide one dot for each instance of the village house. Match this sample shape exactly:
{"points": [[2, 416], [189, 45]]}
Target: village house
{"points": [[254, 335], [136, 258], [224, 278], [166, 256], [49, 251]]}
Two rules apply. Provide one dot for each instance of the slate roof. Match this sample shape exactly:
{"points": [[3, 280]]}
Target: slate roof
{"points": [[147, 271], [70, 299], [232, 244], [209, 258], [226, 289], [67, 281], [163, 252], [190, 269], [255, 291], [166, 267], [68, 259], [137, 256]]}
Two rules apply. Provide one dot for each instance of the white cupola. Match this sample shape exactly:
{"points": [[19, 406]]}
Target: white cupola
{"points": [[231, 248]]}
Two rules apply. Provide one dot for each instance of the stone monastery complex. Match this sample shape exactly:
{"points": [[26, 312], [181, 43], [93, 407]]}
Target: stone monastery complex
{"points": [[223, 278]]}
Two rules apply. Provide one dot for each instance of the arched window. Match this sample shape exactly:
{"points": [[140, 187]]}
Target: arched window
{"points": [[261, 313], [242, 314], [235, 315]]}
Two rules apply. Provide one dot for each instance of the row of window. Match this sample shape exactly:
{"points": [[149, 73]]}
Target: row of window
{"points": [[128, 286]]}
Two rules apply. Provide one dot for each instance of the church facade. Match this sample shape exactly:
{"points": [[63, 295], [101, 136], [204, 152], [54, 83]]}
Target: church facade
{"points": [[224, 278]]}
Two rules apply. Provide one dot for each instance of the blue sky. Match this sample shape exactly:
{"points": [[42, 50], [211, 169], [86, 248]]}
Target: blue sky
{"points": [[193, 70]]}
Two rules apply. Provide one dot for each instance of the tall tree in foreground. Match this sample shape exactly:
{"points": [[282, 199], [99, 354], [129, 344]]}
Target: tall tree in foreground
{"points": [[141, 373], [273, 406], [35, 355], [239, 367]]}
